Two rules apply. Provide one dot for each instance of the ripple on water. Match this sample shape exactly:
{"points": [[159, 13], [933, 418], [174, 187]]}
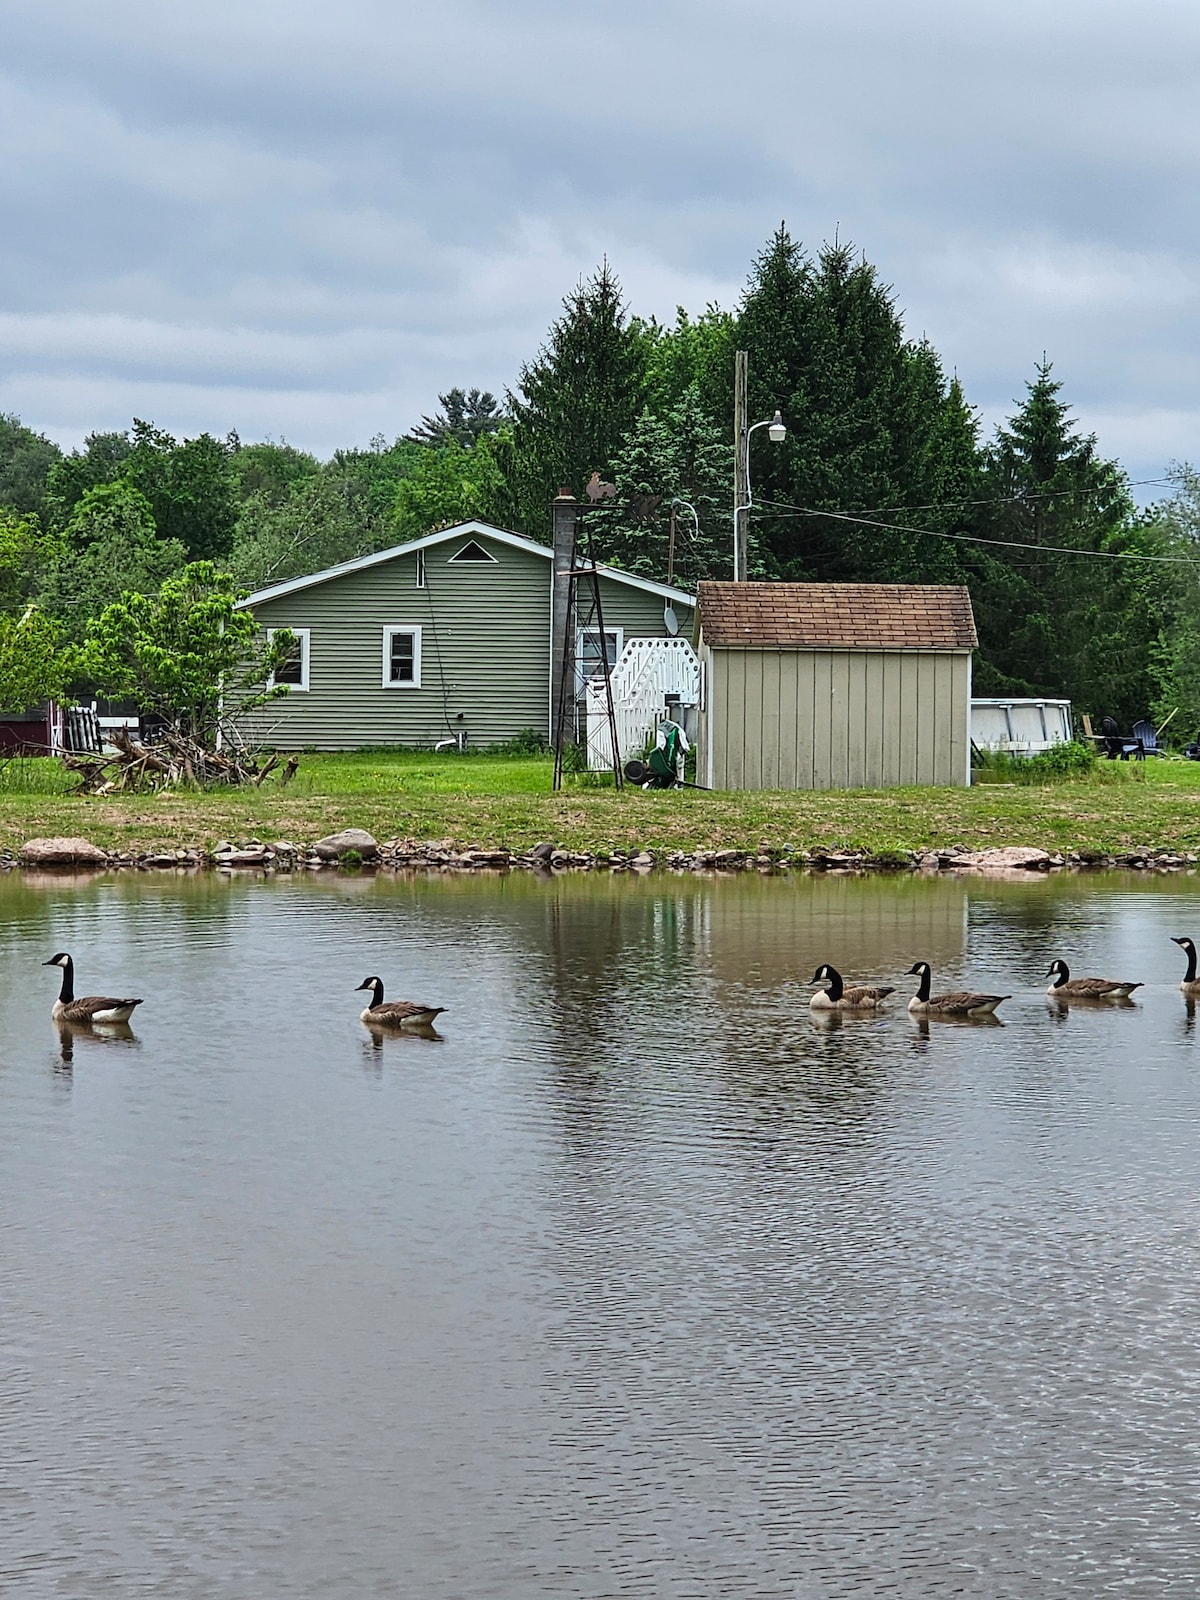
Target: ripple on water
{"points": [[639, 1281]]}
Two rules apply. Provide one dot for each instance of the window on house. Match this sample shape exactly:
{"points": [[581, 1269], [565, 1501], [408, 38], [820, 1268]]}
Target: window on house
{"points": [[420, 569], [402, 658], [587, 651], [472, 551], [293, 669]]}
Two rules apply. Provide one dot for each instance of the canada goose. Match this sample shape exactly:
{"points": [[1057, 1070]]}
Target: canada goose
{"points": [[1065, 987], [960, 1003], [1190, 984], [396, 1013], [89, 1007], [838, 998]]}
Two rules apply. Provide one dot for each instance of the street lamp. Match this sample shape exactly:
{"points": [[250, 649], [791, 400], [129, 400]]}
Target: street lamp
{"points": [[777, 433]]}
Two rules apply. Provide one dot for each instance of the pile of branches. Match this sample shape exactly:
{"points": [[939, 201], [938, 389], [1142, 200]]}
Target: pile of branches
{"points": [[170, 761]]}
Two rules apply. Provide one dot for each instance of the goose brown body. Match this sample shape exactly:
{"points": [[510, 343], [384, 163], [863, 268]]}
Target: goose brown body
{"points": [[1190, 983], [864, 997], [396, 1013], [955, 1003], [86, 1008], [1065, 987]]}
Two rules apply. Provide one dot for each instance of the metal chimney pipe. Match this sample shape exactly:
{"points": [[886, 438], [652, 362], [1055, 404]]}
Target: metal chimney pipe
{"points": [[565, 510]]}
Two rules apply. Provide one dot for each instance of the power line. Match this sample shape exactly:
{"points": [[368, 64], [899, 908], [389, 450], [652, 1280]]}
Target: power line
{"points": [[973, 538], [1018, 499]]}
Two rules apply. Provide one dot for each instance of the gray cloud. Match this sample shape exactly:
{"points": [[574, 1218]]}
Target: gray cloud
{"points": [[303, 220]]}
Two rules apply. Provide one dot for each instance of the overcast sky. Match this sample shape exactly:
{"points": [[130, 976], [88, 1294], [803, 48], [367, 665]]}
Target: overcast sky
{"points": [[304, 220]]}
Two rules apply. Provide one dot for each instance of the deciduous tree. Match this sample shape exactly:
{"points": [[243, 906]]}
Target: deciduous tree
{"points": [[186, 653]]}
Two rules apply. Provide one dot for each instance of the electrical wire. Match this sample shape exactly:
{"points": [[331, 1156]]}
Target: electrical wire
{"points": [[437, 650], [1016, 499], [972, 538]]}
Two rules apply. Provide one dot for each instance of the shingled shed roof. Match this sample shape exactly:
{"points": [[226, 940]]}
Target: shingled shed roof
{"points": [[837, 616]]}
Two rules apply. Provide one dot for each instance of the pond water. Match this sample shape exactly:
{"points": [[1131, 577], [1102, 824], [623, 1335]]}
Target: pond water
{"points": [[635, 1283]]}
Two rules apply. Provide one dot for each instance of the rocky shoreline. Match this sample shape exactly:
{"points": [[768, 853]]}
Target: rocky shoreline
{"points": [[353, 849]]}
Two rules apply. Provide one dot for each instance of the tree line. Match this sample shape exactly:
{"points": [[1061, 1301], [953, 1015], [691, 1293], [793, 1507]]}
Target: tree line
{"points": [[884, 476]]}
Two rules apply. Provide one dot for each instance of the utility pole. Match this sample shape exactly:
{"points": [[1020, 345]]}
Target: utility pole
{"points": [[671, 545], [741, 445]]}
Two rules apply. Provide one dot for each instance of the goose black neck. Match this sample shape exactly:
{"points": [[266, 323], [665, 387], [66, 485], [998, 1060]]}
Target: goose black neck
{"points": [[923, 986], [1190, 975], [1061, 976], [836, 986], [377, 993], [67, 993]]}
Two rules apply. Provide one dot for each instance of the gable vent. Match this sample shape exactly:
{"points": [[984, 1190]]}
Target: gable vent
{"points": [[472, 551]]}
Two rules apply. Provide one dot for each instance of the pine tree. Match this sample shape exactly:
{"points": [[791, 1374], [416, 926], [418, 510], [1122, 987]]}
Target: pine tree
{"points": [[873, 427], [681, 457], [465, 417], [576, 403], [1080, 625]]}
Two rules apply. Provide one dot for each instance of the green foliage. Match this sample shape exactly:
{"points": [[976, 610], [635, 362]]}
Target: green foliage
{"points": [[372, 476], [1057, 622], [26, 460], [681, 456], [1063, 762], [269, 470], [190, 486], [318, 523], [112, 545], [22, 775], [466, 416], [577, 402], [873, 426], [695, 354], [526, 743], [28, 559], [32, 666], [186, 653], [102, 460], [449, 484], [1175, 654]]}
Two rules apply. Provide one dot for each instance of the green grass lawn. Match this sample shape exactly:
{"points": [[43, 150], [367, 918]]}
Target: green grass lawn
{"points": [[507, 801]]}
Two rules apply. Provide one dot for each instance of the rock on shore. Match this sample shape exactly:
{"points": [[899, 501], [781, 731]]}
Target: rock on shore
{"points": [[354, 847], [61, 852]]}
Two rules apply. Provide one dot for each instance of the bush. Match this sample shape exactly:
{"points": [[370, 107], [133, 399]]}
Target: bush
{"points": [[1060, 763], [529, 742]]}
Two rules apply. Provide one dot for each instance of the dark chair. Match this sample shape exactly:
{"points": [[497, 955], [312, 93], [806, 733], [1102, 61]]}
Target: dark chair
{"points": [[1147, 740]]}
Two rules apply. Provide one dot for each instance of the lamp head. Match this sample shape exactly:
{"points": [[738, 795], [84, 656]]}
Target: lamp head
{"points": [[777, 432]]}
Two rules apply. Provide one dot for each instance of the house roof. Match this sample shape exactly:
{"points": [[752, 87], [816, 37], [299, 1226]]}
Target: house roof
{"points": [[461, 530], [837, 616]]}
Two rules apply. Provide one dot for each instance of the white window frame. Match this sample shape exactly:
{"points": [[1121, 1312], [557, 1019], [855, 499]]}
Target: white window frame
{"points": [[582, 678], [389, 632], [420, 569], [302, 634]]}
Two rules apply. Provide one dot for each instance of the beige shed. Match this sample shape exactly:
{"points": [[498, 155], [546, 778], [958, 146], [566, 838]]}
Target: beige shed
{"points": [[834, 685]]}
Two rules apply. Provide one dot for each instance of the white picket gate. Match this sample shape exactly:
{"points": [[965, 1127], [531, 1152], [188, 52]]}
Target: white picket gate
{"points": [[647, 671]]}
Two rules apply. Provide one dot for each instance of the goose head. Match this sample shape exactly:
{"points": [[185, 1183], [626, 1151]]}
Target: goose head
{"points": [[1184, 944], [919, 969], [62, 959], [370, 983], [1059, 971], [823, 974]]}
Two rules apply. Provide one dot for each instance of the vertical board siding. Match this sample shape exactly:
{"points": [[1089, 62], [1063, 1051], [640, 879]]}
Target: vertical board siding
{"points": [[838, 719], [485, 650]]}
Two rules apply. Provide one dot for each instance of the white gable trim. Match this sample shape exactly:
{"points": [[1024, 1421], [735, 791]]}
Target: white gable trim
{"points": [[461, 530]]}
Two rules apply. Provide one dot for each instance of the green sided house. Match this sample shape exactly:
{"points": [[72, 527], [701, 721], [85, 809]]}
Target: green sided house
{"points": [[446, 637]]}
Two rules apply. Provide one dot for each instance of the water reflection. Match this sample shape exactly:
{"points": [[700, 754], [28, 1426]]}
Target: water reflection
{"points": [[647, 1280], [92, 1033]]}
